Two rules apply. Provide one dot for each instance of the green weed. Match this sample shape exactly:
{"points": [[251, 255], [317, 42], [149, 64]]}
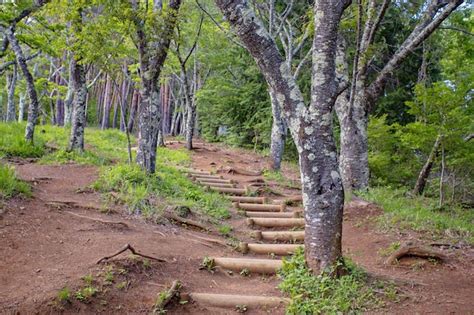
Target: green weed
{"points": [[64, 295], [10, 185], [322, 294]]}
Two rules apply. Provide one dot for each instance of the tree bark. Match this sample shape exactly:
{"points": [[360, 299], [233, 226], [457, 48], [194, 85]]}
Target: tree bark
{"points": [[311, 127], [107, 104], [133, 111], [21, 107], [11, 86], [426, 170], [279, 133], [153, 50], [69, 95], [78, 122], [30, 84]]}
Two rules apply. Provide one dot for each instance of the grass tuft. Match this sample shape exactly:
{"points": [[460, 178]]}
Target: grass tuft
{"points": [[9, 184]]}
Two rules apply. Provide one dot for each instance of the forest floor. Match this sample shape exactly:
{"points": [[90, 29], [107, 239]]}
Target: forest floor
{"points": [[54, 239]]}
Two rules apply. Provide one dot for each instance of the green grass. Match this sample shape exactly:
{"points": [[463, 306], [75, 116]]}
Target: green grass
{"points": [[422, 214], [322, 294], [102, 146], [9, 185], [144, 193], [278, 177]]}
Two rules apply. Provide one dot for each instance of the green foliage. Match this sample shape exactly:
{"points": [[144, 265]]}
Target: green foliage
{"points": [[422, 214], [13, 144], [64, 295], [322, 294], [9, 184]]}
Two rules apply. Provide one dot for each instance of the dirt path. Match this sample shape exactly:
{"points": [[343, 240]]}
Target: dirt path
{"points": [[45, 248]]}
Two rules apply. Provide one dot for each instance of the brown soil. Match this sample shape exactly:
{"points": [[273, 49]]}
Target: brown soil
{"points": [[45, 248]]}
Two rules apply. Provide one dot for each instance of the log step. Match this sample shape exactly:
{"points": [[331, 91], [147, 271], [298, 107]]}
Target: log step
{"points": [[260, 207], [221, 185], [267, 266], [206, 177], [231, 300], [276, 222], [248, 199], [214, 180], [278, 235], [231, 191], [266, 249], [257, 214], [199, 173]]}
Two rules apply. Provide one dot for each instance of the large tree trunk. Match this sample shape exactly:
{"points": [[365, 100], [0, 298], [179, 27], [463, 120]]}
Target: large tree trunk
{"points": [[11, 86], [30, 84], [354, 158], [279, 132], [426, 170], [149, 124], [311, 127], [78, 123]]}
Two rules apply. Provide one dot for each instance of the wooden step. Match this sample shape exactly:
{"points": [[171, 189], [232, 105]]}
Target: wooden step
{"points": [[266, 249], [231, 191], [249, 199], [257, 214], [260, 207], [215, 180], [232, 300], [199, 173], [207, 177], [278, 235], [221, 185], [276, 222], [266, 266]]}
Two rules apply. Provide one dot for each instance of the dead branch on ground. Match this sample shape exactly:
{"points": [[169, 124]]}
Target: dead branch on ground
{"points": [[134, 252]]}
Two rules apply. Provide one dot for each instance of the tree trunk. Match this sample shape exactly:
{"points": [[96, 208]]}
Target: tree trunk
{"points": [[30, 85], [21, 107], [190, 120], [311, 127], [76, 140], [133, 111], [107, 104], [278, 136], [149, 124], [11, 85], [426, 170], [69, 96], [354, 157]]}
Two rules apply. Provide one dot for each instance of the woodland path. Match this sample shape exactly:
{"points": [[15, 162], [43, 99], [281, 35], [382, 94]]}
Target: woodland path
{"points": [[45, 248]]}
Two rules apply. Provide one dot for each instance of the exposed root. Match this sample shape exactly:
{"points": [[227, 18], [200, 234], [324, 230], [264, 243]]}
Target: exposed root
{"points": [[59, 204], [415, 250], [129, 247], [114, 223], [164, 298], [174, 217], [235, 170]]}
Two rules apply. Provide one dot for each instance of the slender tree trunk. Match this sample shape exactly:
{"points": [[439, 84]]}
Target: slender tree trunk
{"points": [[441, 178], [69, 96], [78, 123], [107, 104], [30, 85], [11, 86], [133, 110], [21, 107], [426, 170], [279, 133], [190, 119]]}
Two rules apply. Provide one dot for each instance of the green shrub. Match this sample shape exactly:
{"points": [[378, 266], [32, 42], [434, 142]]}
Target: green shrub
{"points": [[322, 294], [9, 184]]}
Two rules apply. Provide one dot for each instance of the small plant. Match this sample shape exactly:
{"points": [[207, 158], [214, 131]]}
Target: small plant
{"points": [[86, 293], [122, 285], [88, 279], [10, 185], [64, 295], [225, 230], [390, 249], [146, 263], [109, 277], [245, 272], [207, 264]]}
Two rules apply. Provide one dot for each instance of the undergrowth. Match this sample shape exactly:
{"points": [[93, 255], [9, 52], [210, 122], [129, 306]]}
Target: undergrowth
{"points": [[322, 294], [9, 184], [422, 214], [278, 177], [143, 193]]}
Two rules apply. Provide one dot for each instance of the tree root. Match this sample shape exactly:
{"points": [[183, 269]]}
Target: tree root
{"points": [[174, 217], [414, 250], [129, 247], [58, 204], [167, 297], [117, 223]]}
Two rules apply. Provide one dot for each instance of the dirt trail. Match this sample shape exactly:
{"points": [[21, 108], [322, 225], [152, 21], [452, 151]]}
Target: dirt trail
{"points": [[45, 248]]}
